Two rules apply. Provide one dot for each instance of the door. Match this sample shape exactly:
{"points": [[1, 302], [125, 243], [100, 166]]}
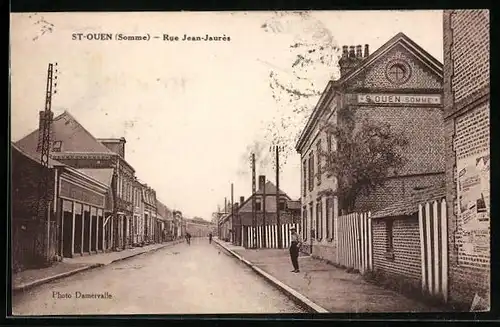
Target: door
{"points": [[67, 231]]}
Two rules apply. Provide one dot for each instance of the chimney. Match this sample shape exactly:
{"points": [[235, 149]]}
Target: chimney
{"points": [[350, 58], [115, 145], [345, 51], [359, 52], [262, 182], [352, 53], [242, 199], [367, 52]]}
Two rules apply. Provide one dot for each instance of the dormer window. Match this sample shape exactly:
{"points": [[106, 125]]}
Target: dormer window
{"points": [[56, 146]]}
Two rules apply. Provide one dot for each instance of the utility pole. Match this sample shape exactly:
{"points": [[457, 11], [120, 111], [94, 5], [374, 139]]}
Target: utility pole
{"points": [[232, 214], [254, 216], [264, 241], [278, 220], [44, 144]]}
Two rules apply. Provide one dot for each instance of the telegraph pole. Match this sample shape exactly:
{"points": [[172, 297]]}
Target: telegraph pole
{"points": [[232, 214], [44, 144], [264, 241], [254, 217], [278, 220]]}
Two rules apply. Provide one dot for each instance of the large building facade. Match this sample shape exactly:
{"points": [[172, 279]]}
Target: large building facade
{"points": [[467, 123], [400, 84]]}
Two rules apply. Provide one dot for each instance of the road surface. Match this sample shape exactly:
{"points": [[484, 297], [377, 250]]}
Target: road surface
{"points": [[181, 279]]}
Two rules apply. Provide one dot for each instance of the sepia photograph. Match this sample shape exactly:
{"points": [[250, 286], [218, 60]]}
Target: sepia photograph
{"points": [[249, 162]]}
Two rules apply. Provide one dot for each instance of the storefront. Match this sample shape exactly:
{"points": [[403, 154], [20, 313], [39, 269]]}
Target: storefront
{"points": [[82, 201]]}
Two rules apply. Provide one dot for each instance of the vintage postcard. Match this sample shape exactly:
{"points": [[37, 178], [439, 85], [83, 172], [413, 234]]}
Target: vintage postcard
{"points": [[250, 162]]}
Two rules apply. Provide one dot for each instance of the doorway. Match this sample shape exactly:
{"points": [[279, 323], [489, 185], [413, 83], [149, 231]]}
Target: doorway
{"points": [[67, 225]]}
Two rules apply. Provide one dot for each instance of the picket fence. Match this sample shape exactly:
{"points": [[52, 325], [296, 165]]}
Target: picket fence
{"points": [[271, 236], [354, 249], [433, 225]]}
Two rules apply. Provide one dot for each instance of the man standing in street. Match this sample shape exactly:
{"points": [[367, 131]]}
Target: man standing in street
{"points": [[296, 243], [210, 238]]}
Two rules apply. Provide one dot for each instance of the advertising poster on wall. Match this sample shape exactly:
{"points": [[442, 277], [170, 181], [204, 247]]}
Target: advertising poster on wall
{"points": [[474, 202]]}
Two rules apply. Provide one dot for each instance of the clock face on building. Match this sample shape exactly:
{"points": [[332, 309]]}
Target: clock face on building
{"points": [[398, 71]]}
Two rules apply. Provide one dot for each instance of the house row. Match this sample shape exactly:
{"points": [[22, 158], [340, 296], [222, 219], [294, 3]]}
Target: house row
{"points": [[237, 223], [427, 227], [96, 201]]}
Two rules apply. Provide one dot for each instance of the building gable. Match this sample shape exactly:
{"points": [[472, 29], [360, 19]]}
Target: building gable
{"points": [[399, 60], [73, 137]]}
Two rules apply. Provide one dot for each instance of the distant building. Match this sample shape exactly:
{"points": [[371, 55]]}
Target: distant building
{"points": [[265, 210], [198, 227]]}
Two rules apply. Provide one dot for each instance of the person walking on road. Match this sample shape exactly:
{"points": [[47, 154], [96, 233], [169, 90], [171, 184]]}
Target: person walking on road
{"points": [[188, 238], [294, 249], [210, 238]]}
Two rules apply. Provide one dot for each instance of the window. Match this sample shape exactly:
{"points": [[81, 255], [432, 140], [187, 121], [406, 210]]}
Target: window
{"points": [[304, 168], [56, 146], [258, 204], [318, 162], [319, 220], [389, 235], [397, 73], [328, 217], [329, 151], [282, 204], [304, 223], [311, 171], [312, 217]]}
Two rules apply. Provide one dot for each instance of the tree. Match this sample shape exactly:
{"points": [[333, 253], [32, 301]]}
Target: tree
{"points": [[313, 56], [368, 152]]}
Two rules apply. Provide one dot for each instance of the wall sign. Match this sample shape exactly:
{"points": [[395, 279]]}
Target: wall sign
{"points": [[78, 193], [385, 98]]}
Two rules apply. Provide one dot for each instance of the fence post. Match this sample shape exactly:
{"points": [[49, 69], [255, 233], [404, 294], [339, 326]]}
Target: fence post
{"points": [[422, 246], [435, 225], [444, 249], [428, 246]]}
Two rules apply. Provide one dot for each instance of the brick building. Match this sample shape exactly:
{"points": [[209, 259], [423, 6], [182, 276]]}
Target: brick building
{"points": [[74, 146], [467, 121], [397, 242], [400, 84], [74, 224]]}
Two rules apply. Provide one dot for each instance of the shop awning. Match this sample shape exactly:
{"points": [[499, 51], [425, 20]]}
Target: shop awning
{"points": [[103, 175]]}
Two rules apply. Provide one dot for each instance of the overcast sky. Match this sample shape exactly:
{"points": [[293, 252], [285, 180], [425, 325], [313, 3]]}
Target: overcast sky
{"points": [[188, 110]]}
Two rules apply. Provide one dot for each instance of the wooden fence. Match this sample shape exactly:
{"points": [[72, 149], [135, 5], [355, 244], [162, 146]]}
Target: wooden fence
{"points": [[271, 236], [432, 217], [354, 235]]}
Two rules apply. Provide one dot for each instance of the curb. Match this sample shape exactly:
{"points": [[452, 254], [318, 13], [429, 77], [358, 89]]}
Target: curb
{"points": [[290, 292], [30, 285]]}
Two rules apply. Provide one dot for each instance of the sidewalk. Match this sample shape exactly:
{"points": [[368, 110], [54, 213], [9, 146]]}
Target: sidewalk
{"points": [[69, 266], [323, 287]]}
